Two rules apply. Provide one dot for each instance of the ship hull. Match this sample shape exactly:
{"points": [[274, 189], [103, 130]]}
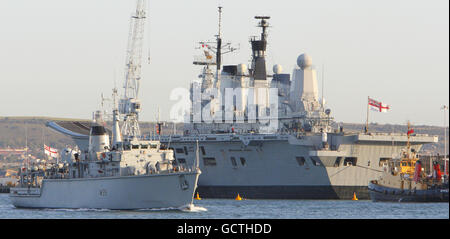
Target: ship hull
{"points": [[285, 167], [380, 193], [172, 190]]}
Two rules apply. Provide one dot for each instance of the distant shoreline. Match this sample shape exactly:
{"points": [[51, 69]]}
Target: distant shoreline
{"points": [[77, 119]]}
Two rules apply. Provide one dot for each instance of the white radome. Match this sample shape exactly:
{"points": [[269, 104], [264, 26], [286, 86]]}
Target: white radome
{"points": [[277, 69], [304, 61]]}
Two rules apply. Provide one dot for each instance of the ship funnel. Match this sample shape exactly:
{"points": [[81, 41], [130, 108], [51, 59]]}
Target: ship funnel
{"points": [[98, 140]]}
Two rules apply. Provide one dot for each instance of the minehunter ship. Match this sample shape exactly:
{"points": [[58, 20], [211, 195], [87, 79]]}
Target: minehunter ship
{"points": [[129, 173]]}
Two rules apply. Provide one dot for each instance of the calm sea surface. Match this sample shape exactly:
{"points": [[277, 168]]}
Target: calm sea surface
{"points": [[248, 209]]}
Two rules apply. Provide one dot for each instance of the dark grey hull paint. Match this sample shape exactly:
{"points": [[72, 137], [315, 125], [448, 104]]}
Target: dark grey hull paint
{"points": [[387, 194], [284, 192]]}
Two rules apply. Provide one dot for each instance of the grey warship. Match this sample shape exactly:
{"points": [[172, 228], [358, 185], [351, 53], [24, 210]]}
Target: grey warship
{"points": [[299, 155], [128, 173]]}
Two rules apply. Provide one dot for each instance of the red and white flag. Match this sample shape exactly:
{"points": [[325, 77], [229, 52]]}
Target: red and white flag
{"points": [[378, 106], [51, 152]]}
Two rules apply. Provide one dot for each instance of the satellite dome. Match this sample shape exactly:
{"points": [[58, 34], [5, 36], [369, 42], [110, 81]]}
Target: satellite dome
{"points": [[241, 69], [277, 69], [304, 61]]}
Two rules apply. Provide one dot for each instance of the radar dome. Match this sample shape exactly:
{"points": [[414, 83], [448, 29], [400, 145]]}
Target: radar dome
{"points": [[277, 69], [241, 69], [304, 61]]}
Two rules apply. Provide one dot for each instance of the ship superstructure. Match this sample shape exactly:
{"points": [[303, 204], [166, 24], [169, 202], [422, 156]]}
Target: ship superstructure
{"points": [[245, 99]]}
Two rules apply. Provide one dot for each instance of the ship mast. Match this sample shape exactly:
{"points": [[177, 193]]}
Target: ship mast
{"points": [[219, 42], [408, 144], [219, 49], [129, 105], [259, 50]]}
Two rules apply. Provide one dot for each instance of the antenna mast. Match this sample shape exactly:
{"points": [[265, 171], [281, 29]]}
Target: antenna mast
{"points": [[219, 48], [323, 76], [129, 105]]}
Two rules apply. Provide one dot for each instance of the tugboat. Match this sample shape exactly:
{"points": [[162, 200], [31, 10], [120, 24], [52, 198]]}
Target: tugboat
{"points": [[403, 180]]}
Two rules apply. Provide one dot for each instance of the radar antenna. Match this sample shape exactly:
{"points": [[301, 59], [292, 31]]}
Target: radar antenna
{"points": [[129, 105]]}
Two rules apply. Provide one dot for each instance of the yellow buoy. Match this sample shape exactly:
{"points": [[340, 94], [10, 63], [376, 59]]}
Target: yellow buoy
{"points": [[238, 197], [354, 197], [197, 197]]}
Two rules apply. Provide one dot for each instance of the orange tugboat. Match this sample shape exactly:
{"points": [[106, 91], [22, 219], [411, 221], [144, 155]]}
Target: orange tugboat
{"points": [[404, 181]]}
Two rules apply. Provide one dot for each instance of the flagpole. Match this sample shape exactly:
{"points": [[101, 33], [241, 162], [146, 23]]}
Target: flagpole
{"points": [[445, 139], [367, 119], [43, 141], [26, 146]]}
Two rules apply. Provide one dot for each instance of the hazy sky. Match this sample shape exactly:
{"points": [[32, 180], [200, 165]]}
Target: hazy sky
{"points": [[57, 57]]}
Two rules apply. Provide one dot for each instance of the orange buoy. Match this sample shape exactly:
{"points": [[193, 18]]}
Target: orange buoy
{"points": [[238, 197], [354, 197], [197, 197]]}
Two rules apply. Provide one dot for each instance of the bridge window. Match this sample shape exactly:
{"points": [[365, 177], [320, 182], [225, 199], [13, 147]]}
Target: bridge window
{"points": [[383, 161], [300, 160], [144, 146], [135, 146], [243, 161], [202, 149], [337, 162], [350, 161], [233, 162], [179, 151], [209, 161], [315, 162]]}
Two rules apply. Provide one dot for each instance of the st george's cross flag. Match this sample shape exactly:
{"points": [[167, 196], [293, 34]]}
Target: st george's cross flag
{"points": [[51, 152], [378, 106]]}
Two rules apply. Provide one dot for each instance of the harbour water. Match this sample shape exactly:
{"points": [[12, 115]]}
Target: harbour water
{"points": [[246, 209]]}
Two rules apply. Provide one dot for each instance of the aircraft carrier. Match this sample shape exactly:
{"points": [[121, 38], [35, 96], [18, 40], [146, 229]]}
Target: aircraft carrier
{"points": [[276, 141]]}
